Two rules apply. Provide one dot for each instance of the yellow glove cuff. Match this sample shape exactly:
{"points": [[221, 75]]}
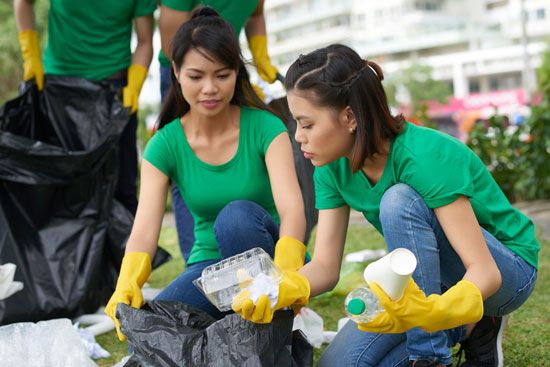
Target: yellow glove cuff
{"points": [[136, 266], [30, 51], [289, 253], [258, 48], [136, 77]]}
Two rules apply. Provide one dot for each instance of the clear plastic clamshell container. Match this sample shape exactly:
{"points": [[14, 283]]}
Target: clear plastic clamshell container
{"points": [[222, 281]]}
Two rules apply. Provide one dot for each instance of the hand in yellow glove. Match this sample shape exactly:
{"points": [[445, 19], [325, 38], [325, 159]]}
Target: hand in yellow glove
{"points": [[289, 253], [130, 93], [134, 272], [293, 290], [461, 304], [30, 51], [258, 48]]}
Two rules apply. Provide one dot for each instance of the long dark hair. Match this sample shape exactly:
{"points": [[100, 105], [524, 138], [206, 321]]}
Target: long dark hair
{"points": [[337, 77], [213, 37]]}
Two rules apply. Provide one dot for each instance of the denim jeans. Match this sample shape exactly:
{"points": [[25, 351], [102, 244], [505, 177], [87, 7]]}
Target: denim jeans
{"points": [[184, 220], [241, 225], [408, 222]]}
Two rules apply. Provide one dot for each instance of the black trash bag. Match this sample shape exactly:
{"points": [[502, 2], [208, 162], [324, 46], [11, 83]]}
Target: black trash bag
{"points": [[304, 168], [59, 222], [170, 334]]}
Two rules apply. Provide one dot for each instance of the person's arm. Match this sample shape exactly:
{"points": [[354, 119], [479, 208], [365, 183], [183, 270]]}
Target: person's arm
{"points": [[24, 14], [137, 72], [257, 41], [28, 41], [142, 244], [150, 211], [323, 271], [464, 233], [285, 188], [169, 22]]}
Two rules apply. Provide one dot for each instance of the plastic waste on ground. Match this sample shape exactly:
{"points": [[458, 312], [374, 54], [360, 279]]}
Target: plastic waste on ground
{"points": [[362, 305], [95, 350], [364, 255], [7, 285], [164, 334], [51, 343], [311, 324], [253, 270]]}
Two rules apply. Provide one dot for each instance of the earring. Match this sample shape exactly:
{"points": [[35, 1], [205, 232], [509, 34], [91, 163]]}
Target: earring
{"points": [[352, 130]]}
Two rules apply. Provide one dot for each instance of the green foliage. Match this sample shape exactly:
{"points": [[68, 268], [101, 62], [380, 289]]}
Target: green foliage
{"points": [[11, 64]]}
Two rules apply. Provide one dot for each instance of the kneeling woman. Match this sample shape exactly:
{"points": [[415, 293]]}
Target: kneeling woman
{"points": [[422, 190]]}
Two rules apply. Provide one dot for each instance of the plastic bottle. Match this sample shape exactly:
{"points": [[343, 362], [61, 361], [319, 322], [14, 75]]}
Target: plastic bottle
{"points": [[362, 305]]}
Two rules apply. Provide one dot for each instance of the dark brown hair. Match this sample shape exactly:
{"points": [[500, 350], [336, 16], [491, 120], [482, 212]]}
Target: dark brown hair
{"points": [[213, 37], [337, 77]]}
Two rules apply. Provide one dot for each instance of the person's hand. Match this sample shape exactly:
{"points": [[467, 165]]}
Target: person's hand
{"points": [[130, 93], [289, 253], [258, 48], [293, 291], [134, 272], [461, 304], [30, 52]]}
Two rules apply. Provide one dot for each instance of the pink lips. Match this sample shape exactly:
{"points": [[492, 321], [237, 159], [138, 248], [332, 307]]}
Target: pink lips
{"points": [[210, 103], [308, 155]]}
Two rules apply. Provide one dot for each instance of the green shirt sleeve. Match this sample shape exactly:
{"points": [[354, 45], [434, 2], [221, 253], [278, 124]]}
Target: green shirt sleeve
{"points": [[159, 151], [145, 7], [440, 177], [180, 5], [327, 195], [266, 127]]}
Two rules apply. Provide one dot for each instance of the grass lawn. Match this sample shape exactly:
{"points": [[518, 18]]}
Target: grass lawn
{"points": [[526, 341]]}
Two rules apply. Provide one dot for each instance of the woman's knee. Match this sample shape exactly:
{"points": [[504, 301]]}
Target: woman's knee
{"points": [[398, 200], [236, 214]]}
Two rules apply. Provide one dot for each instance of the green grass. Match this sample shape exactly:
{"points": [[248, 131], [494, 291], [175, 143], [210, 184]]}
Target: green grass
{"points": [[526, 340]]}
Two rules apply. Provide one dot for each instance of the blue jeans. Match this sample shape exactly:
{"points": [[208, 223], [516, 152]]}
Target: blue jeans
{"points": [[184, 220], [241, 225], [408, 222]]}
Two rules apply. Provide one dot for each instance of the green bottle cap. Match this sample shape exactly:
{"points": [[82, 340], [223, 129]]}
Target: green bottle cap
{"points": [[356, 306]]}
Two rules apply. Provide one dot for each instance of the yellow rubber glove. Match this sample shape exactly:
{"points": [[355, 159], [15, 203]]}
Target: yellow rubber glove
{"points": [[30, 51], [258, 48], [134, 272], [459, 305], [293, 290], [130, 93], [289, 253]]}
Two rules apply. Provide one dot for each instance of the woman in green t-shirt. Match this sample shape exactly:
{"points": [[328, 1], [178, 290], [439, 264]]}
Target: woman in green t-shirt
{"points": [[424, 191], [232, 161]]}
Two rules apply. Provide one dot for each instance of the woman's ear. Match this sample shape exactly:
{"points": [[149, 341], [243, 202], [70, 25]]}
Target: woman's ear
{"points": [[175, 70], [347, 118]]}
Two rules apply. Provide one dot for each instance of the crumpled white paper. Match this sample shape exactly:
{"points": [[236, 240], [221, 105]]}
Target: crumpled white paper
{"points": [[7, 285], [264, 284]]}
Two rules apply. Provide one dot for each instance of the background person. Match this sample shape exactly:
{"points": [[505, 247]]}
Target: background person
{"points": [[231, 159], [83, 42], [422, 190]]}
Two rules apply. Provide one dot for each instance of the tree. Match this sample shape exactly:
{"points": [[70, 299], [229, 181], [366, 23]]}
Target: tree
{"points": [[11, 71]]}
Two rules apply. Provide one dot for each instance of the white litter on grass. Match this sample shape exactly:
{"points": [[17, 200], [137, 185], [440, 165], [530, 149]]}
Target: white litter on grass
{"points": [[365, 255], [95, 350], [51, 343], [7, 285], [311, 325]]}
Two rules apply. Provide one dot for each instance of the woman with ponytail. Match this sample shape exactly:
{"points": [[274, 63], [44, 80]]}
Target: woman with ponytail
{"points": [[422, 190], [231, 159]]}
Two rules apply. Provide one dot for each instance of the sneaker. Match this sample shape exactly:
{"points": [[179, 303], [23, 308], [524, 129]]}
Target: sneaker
{"points": [[427, 363], [483, 348]]}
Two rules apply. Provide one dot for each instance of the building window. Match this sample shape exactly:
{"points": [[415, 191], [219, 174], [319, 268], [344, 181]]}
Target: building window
{"points": [[540, 14]]}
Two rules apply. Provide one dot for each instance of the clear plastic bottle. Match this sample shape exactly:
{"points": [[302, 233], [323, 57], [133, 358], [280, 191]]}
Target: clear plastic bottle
{"points": [[362, 305]]}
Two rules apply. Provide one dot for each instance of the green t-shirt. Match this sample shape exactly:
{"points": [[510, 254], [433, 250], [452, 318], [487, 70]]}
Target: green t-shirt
{"points": [[206, 188], [235, 12], [440, 168], [91, 39]]}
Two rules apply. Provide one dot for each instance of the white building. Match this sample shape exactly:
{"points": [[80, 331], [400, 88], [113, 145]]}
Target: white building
{"points": [[474, 44]]}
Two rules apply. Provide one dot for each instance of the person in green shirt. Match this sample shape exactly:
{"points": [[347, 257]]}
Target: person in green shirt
{"points": [[422, 190], [240, 14], [231, 159], [91, 40]]}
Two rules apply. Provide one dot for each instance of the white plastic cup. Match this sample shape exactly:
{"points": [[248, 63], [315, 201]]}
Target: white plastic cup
{"points": [[7, 272], [392, 272]]}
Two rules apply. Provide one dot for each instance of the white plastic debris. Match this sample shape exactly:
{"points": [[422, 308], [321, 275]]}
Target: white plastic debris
{"points": [[365, 255], [51, 343], [7, 285], [95, 350], [311, 325]]}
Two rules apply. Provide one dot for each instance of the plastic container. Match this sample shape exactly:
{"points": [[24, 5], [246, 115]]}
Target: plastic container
{"points": [[222, 281], [362, 305]]}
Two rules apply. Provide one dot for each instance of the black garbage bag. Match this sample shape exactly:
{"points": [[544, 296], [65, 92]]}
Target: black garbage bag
{"points": [[170, 334], [304, 168], [59, 222]]}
